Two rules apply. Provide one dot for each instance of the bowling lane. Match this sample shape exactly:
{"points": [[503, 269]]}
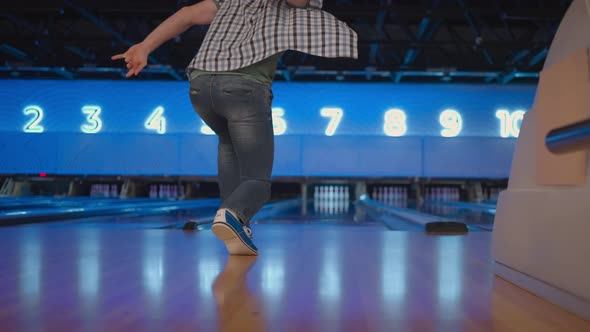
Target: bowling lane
{"points": [[170, 219], [27, 203], [164, 218], [307, 278]]}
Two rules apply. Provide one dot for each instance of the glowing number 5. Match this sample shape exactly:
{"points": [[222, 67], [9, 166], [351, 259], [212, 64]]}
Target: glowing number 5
{"points": [[336, 115], [395, 123], [205, 129], [279, 124], [33, 125], [156, 121], [94, 122]]}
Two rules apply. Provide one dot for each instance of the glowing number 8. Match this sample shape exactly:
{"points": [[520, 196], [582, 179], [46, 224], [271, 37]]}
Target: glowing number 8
{"points": [[395, 123]]}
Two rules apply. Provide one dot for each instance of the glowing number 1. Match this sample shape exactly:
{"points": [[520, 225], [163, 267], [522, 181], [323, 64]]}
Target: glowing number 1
{"points": [[33, 125], [94, 122], [336, 115], [156, 121]]}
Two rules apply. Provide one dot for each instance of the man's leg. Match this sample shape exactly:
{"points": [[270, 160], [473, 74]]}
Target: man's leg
{"points": [[246, 108], [228, 169]]}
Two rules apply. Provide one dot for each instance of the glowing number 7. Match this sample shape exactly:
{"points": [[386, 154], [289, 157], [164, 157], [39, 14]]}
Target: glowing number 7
{"points": [[336, 115], [156, 121]]}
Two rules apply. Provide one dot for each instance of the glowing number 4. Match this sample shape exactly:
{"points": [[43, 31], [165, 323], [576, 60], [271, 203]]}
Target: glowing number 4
{"points": [[33, 125], [510, 122], [156, 121], [336, 116], [94, 124], [452, 122]]}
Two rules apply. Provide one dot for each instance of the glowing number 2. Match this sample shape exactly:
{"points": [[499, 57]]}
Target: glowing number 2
{"points": [[156, 121], [452, 122], [336, 115], [510, 122], [33, 125], [279, 124], [395, 123], [94, 124]]}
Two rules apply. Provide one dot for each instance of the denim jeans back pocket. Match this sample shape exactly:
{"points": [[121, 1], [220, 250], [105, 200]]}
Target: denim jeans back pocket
{"points": [[238, 89]]}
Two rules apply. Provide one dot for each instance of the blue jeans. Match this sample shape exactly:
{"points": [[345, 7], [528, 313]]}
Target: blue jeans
{"points": [[239, 112]]}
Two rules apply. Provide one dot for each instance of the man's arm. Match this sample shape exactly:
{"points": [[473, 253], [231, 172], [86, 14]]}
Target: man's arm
{"points": [[298, 3], [200, 14]]}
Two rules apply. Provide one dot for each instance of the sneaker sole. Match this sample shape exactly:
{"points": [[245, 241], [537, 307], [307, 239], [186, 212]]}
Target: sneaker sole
{"points": [[233, 242]]}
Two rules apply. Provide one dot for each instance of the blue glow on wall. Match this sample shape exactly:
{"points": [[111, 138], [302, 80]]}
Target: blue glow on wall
{"points": [[305, 108], [89, 120]]}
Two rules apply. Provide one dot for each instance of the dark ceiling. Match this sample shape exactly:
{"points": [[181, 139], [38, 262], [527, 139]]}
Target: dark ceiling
{"points": [[500, 41]]}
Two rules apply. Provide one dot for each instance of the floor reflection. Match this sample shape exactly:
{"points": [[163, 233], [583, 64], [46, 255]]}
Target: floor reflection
{"points": [[238, 309]]}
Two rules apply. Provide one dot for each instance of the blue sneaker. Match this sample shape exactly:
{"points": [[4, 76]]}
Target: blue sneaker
{"points": [[237, 237]]}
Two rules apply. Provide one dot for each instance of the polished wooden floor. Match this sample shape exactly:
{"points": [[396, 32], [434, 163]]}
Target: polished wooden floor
{"points": [[307, 278]]}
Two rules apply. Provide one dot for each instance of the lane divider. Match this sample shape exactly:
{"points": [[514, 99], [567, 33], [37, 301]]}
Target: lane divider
{"points": [[430, 223]]}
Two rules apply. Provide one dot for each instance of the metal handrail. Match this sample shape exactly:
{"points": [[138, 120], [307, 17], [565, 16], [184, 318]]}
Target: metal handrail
{"points": [[569, 138]]}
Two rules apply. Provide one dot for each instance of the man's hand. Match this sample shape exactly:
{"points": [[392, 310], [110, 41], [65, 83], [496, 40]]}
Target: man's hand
{"points": [[135, 58]]}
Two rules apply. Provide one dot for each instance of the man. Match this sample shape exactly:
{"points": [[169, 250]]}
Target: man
{"points": [[231, 78]]}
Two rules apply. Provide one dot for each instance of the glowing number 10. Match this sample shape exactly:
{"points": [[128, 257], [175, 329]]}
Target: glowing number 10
{"points": [[156, 121], [510, 122]]}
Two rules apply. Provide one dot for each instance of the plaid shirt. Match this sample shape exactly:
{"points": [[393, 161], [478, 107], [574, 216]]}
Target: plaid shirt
{"points": [[245, 32]]}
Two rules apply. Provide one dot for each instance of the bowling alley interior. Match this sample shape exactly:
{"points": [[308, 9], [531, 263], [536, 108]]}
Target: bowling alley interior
{"points": [[438, 182]]}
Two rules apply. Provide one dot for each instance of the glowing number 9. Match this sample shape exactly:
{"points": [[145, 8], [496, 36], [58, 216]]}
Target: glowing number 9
{"points": [[336, 116], [452, 122], [33, 125], [510, 122], [395, 123], [94, 122], [279, 124], [156, 121]]}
